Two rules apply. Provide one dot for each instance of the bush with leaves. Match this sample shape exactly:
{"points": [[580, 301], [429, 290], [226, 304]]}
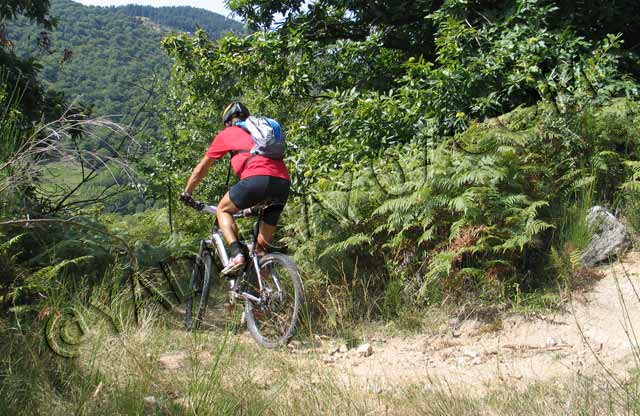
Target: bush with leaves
{"points": [[484, 220]]}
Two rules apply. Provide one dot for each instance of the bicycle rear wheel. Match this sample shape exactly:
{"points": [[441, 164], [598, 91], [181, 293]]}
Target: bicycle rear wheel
{"points": [[272, 322]]}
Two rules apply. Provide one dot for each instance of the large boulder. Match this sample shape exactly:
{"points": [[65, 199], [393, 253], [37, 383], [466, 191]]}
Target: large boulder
{"points": [[610, 237]]}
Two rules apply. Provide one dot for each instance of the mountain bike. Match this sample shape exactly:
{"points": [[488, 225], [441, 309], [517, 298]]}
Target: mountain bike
{"points": [[269, 286]]}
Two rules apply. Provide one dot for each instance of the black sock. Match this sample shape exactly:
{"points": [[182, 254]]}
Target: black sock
{"points": [[236, 248]]}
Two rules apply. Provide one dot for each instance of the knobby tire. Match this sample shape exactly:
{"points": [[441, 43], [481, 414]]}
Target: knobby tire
{"points": [[198, 287], [273, 324]]}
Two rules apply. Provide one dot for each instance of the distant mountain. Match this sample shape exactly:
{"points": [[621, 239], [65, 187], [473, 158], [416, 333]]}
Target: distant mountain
{"points": [[182, 18], [109, 58]]}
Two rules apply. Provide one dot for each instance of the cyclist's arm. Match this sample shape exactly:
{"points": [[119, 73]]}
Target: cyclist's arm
{"points": [[198, 173]]}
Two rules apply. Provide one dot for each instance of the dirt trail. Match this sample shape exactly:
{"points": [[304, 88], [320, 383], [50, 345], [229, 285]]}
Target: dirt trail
{"points": [[596, 333], [595, 329]]}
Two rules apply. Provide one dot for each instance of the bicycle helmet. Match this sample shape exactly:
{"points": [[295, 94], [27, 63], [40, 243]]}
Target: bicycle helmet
{"points": [[236, 108]]}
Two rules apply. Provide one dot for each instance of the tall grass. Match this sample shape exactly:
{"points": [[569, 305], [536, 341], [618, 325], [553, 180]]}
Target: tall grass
{"points": [[219, 375], [573, 231]]}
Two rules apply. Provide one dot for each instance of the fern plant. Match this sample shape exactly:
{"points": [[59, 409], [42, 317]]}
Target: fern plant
{"points": [[480, 212]]}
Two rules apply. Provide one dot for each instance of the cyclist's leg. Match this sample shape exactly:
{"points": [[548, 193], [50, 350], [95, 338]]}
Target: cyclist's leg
{"points": [[264, 237], [268, 227], [226, 209], [244, 194], [277, 193]]}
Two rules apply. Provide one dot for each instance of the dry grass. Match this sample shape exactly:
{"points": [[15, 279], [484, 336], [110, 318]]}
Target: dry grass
{"points": [[217, 373]]}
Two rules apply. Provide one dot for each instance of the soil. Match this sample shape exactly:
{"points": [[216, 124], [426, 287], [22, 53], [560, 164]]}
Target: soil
{"points": [[595, 334]]}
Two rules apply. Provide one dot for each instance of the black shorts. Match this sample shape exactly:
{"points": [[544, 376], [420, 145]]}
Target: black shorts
{"points": [[258, 190]]}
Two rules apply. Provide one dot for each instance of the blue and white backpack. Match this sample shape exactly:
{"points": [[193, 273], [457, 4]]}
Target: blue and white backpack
{"points": [[267, 137]]}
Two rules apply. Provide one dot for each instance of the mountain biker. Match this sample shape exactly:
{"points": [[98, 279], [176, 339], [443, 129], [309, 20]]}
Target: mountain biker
{"points": [[263, 181]]}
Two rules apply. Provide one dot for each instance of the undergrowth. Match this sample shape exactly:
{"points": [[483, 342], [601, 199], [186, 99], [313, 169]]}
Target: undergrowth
{"points": [[496, 214]]}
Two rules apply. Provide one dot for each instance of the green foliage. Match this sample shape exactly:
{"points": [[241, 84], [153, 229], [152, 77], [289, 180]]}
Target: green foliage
{"points": [[279, 77], [11, 121], [447, 166], [631, 195], [410, 27], [109, 59], [50, 256], [438, 150], [489, 69], [447, 222], [343, 114], [36, 10], [32, 99]]}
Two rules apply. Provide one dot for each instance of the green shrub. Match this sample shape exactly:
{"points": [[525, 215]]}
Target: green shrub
{"points": [[492, 213]]}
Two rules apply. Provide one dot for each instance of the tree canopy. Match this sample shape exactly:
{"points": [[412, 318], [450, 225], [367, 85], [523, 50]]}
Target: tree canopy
{"points": [[109, 59]]}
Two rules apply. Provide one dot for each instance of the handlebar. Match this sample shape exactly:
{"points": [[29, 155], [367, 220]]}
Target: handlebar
{"points": [[213, 210]]}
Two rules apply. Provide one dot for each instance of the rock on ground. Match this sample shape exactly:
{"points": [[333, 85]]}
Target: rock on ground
{"points": [[365, 350], [610, 237]]}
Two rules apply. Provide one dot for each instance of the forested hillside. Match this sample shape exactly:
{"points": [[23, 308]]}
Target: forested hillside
{"points": [[443, 155], [182, 18], [110, 59]]}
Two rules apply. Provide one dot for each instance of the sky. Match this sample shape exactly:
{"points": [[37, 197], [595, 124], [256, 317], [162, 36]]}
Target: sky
{"points": [[213, 5]]}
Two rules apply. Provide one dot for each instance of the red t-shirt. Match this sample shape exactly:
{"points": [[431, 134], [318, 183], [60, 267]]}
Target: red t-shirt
{"points": [[236, 138]]}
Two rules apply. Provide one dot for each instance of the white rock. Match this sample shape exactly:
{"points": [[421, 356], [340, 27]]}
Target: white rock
{"points": [[343, 348], [610, 237], [365, 350], [552, 342]]}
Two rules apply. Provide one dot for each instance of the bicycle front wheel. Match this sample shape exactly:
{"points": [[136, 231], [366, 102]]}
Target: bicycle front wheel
{"points": [[194, 296], [272, 321], [208, 304]]}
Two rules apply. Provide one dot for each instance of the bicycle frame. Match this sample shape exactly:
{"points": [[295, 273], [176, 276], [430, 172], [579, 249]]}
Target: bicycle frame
{"points": [[271, 304], [216, 241]]}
